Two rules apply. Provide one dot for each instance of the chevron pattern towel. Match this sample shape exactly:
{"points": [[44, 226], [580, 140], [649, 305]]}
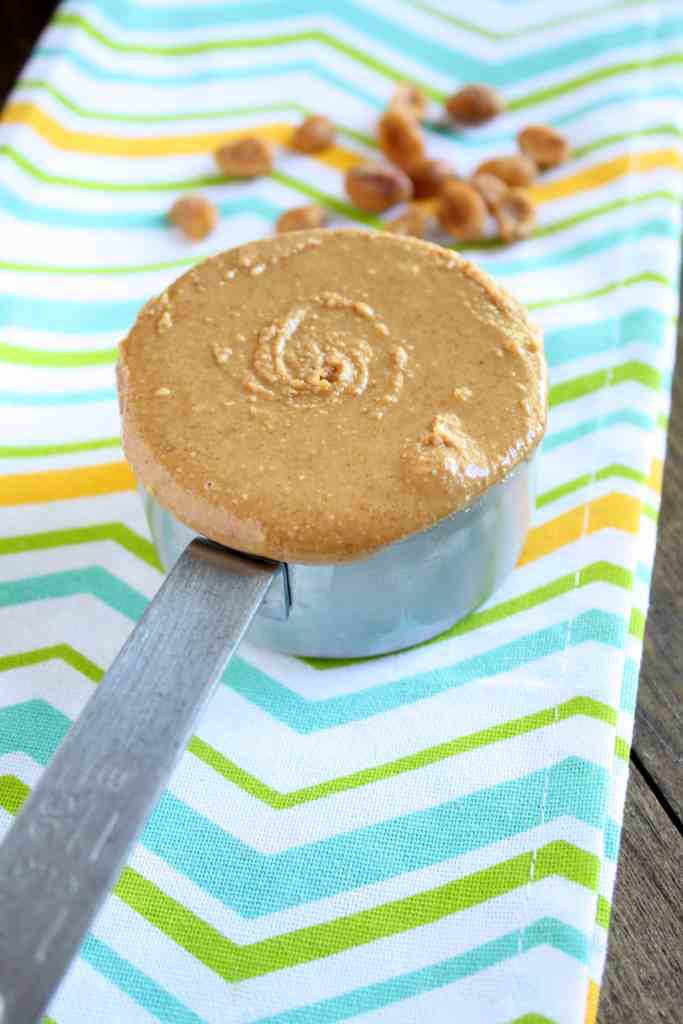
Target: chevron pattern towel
{"points": [[433, 835]]}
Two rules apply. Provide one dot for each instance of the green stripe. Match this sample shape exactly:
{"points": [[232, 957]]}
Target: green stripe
{"points": [[13, 792], [27, 356], [625, 282], [532, 1018], [608, 140], [203, 181], [600, 75], [249, 783], [250, 43], [493, 244], [578, 387], [617, 204], [636, 626], [431, 755], [64, 652], [622, 748], [33, 84], [236, 963], [521, 33], [662, 421], [41, 85], [117, 532], [597, 572], [650, 512], [603, 913], [32, 451], [616, 469]]}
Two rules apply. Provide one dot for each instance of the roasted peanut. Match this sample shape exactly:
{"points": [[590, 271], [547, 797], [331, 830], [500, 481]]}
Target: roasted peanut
{"points": [[475, 104], [412, 98], [400, 137], [428, 177], [516, 171], [490, 188], [195, 216], [545, 146], [302, 218], [462, 211], [516, 215], [317, 132], [249, 157], [415, 221], [375, 187]]}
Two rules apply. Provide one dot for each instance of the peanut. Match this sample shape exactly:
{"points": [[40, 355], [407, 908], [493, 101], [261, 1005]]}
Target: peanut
{"points": [[375, 187], [516, 215], [195, 216], [302, 218], [544, 145], [412, 98], [490, 188], [248, 157], [317, 132], [415, 221], [516, 171], [462, 211], [428, 177], [400, 137], [475, 104]]}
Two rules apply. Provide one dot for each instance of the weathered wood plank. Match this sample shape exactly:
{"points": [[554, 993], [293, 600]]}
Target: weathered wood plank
{"points": [[659, 719], [644, 978]]}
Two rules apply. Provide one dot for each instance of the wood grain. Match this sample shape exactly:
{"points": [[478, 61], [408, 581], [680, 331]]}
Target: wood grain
{"points": [[644, 982], [659, 719]]}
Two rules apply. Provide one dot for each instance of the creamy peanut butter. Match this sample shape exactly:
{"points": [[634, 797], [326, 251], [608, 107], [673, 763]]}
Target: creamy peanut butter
{"points": [[315, 396]]}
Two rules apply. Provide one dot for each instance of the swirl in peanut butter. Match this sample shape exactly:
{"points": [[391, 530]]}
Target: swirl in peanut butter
{"points": [[321, 351]]}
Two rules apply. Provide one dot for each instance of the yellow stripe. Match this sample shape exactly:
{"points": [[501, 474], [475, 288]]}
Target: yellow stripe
{"points": [[592, 1001], [160, 145], [654, 480], [602, 174], [619, 511], [63, 484], [22, 112]]}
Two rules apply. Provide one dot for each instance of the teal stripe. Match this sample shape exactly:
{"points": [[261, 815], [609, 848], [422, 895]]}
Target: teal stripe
{"points": [[547, 931], [629, 686], [197, 78], [480, 139], [254, 884], [33, 728], [70, 582], [631, 417], [655, 228], [612, 837], [77, 317], [40, 213], [645, 325], [72, 315], [562, 345], [305, 716], [136, 985], [51, 398], [430, 51], [644, 573]]}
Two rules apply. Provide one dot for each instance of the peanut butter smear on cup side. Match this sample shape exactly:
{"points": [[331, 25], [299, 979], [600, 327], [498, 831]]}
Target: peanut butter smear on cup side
{"points": [[315, 396]]}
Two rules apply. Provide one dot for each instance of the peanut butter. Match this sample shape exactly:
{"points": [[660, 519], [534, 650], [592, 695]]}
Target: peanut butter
{"points": [[318, 395]]}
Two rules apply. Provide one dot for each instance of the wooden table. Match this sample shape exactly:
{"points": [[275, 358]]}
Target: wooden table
{"points": [[643, 982]]}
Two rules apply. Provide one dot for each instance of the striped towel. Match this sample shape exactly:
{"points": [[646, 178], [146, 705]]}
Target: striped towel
{"points": [[431, 836]]}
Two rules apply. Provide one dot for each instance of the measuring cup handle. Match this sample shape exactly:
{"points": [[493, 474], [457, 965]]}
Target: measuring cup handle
{"points": [[64, 852]]}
